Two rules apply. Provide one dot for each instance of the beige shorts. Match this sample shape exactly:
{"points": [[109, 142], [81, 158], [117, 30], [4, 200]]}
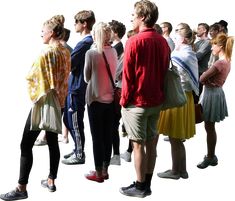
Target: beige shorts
{"points": [[140, 123]]}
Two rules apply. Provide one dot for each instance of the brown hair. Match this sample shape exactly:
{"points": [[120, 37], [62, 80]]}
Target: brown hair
{"points": [[187, 33], [130, 33], [148, 10], [226, 43], [118, 27], [66, 34], [87, 16], [168, 25], [59, 18]]}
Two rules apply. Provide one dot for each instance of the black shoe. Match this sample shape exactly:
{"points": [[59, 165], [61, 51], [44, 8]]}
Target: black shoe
{"points": [[68, 155], [208, 162], [133, 191], [44, 184], [184, 175], [148, 191], [14, 195]]}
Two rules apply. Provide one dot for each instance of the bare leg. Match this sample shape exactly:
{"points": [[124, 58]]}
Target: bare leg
{"points": [[151, 154], [65, 132], [178, 154], [22, 187], [139, 160]]}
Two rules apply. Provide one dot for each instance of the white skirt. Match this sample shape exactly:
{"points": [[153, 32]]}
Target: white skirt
{"points": [[214, 104]]}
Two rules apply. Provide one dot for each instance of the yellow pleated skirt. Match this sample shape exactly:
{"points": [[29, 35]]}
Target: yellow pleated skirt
{"points": [[178, 122]]}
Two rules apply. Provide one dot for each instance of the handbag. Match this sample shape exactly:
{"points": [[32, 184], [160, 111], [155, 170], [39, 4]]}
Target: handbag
{"points": [[198, 113], [174, 93], [117, 91], [46, 114]]}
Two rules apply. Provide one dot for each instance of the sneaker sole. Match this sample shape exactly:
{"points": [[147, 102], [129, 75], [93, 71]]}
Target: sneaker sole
{"points": [[73, 163], [132, 195], [204, 167], [18, 198]]}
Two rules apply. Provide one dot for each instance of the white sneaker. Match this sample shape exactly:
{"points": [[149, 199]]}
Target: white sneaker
{"points": [[40, 142], [126, 156], [63, 139], [115, 160]]}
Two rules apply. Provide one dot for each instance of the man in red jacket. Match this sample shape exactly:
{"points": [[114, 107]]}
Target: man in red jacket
{"points": [[146, 60]]}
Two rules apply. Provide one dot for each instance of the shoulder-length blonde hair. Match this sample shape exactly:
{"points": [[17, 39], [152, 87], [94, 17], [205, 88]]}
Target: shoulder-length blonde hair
{"points": [[102, 35]]}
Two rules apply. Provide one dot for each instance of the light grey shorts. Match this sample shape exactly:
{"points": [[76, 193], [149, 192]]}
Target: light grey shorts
{"points": [[140, 123]]}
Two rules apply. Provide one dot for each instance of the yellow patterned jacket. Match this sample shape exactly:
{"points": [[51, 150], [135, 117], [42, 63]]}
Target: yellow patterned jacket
{"points": [[50, 71]]}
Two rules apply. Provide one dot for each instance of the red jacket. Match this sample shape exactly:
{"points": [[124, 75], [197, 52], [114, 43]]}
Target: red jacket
{"points": [[146, 60]]}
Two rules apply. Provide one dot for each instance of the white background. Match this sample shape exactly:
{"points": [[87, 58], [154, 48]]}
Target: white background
{"points": [[21, 23]]}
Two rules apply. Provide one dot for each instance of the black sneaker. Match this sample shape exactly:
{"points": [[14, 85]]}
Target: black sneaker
{"points": [[208, 161], [44, 184], [148, 191], [133, 191], [14, 195], [68, 155]]}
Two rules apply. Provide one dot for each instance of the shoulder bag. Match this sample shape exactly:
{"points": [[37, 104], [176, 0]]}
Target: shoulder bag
{"points": [[46, 114], [173, 91], [117, 91]]}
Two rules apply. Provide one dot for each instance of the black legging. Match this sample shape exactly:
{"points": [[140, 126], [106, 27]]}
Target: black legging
{"points": [[115, 133], [26, 158], [101, 117]]}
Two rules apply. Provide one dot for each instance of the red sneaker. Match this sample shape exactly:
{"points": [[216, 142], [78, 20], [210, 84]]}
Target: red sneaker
{"points": [[105, 176], [93, 177]]}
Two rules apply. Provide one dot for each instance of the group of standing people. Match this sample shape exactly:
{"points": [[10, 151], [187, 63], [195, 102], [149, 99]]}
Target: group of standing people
{"points": [[85, 77]]}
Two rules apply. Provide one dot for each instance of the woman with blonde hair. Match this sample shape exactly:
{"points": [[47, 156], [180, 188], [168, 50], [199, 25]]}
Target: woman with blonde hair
{"points": [[213, 98], [179, 123], [47, 80], [99, 99]]}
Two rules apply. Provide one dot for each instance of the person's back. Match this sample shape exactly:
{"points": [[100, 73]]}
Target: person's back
{"points": [[65, 40], [152, 54], [146, 60], [118, 31]]}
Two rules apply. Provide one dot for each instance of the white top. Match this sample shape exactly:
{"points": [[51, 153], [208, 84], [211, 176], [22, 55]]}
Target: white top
{"points": [[99, 86]]}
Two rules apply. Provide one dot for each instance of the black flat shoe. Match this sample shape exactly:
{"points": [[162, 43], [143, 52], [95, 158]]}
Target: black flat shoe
{"points": [[208, 162]]}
